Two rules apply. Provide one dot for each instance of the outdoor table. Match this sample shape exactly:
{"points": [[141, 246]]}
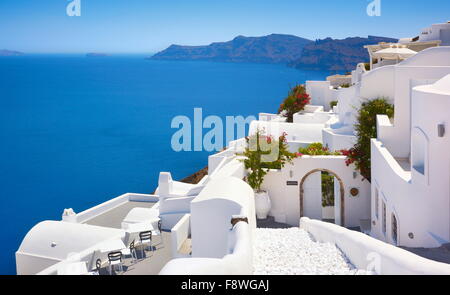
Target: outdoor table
{"points": [[111, 246], [74, 268], [133, 228]]}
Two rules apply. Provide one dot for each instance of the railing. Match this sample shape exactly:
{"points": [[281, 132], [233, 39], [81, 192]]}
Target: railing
{"points": [[88, 214], [267, 117]]}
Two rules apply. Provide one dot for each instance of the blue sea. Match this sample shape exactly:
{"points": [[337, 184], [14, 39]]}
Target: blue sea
{"points": [[78, 131]]}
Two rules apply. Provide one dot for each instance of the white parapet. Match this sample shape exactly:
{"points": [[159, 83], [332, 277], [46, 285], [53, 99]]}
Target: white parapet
{"points": [[238, 261], [179, 234], [368, 253]]}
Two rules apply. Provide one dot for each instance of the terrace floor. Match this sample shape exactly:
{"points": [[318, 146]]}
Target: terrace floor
{"points": [[270, 223], [441, 254], [149, 262]]}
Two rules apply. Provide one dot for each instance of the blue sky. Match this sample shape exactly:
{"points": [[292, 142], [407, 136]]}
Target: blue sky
{"points": [[146, 26]]}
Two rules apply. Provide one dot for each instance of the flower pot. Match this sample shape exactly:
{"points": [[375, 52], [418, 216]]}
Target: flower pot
{"points": [[262, 205]]}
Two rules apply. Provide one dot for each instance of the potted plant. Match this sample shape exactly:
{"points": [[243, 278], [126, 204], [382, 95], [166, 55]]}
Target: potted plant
{"points": [[262, 154]]}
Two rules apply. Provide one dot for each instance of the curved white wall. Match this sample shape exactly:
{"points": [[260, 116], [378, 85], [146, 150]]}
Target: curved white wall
{"points": [[212, 211], [370, 254], [237, 261], [378, 83]]}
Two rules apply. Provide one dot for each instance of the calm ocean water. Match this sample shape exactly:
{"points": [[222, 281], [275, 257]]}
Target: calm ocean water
{"points": [[77, 131]]}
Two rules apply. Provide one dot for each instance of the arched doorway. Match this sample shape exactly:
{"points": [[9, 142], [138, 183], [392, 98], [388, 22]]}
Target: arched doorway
{"points": [[341, 190]]}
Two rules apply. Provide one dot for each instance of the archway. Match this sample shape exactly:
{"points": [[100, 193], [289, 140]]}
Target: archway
{"points": [[342, 192]]}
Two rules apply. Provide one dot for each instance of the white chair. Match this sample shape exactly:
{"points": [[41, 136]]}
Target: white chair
{"points": [[115, 258], [158, 232], [130, 252], [98, 266]]}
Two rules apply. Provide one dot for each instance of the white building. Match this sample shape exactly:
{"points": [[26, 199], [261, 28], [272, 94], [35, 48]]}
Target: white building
{"points": [[439, 32], [411, 195]]}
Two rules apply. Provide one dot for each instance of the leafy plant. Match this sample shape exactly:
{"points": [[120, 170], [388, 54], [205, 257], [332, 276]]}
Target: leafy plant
{"points": [[295, 102], [346, 85], [366, 129], [264, 153], [317, 149], [327, 189]]}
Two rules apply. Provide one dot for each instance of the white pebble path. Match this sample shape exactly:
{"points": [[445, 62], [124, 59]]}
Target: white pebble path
{"points": [[293, 252]]}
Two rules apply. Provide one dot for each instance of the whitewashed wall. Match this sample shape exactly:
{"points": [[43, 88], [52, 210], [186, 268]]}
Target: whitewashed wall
{"points": [[211, 214], [321, 93], [238, 261], [420, 202], [373, 255], [286, 199], [179, 234]]}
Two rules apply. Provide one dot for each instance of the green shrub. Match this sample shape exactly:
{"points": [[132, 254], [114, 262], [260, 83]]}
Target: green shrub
{"points": [[260, 146], [366, 129], [317, 149], [333, 104], [327, 189]]}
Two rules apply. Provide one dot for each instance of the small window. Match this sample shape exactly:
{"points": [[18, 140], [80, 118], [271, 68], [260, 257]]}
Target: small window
{"points": [[394, 229], [384, 218], [377, 203]]}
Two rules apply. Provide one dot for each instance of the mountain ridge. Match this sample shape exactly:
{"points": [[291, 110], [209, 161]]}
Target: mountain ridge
{"points": [[337, 54], [274, 48], [326, 54]]}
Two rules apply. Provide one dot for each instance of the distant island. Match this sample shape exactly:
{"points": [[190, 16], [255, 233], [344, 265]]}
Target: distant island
{"points": [[96, 54], [5, 52], [275, 48], [328, 54]]}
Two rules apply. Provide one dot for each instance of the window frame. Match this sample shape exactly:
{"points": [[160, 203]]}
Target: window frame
{"points": [[394, 227], [384, 217]]}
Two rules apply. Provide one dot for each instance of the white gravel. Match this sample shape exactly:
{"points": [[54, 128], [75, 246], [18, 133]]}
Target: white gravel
{"points": [[293, 252]]}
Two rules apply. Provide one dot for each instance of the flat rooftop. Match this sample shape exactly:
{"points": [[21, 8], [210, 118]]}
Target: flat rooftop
{"points": [[114, 217]]}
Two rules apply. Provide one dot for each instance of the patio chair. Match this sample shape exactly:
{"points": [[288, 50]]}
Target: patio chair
{"points": [[130, 252], [98, 266], [158, 232], [146, 238], [115, 258]]}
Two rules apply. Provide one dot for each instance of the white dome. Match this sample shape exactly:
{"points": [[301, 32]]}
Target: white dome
{"points": [[58, 239]]}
